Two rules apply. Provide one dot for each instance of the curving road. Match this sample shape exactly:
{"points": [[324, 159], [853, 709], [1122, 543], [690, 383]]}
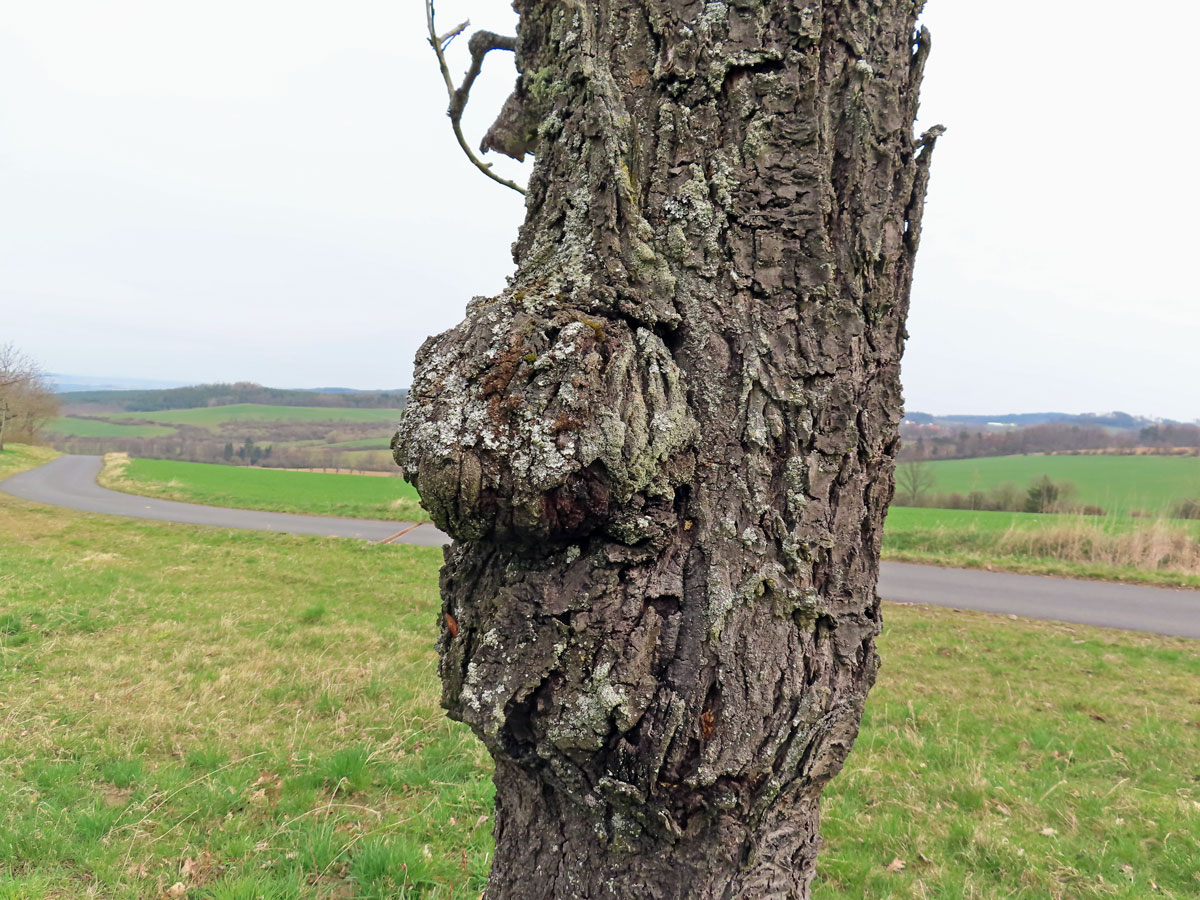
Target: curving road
{"points": [[70, 481]]}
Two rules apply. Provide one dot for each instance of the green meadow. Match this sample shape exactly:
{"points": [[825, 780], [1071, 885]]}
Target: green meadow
{"points": [[277, 490], [1118, 484], [258, 412], [1114, 548], [903, 519], [216, 715]]}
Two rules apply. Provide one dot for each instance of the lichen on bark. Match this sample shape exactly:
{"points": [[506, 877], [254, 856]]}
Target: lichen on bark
{"points": [[664, 450]]}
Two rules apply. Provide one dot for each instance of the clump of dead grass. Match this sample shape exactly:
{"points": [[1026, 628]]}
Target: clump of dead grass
{"points": [[114, 471]]}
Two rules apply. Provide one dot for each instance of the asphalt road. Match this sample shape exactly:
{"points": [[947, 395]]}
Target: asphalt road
{"points": [[1132, 607], [70, 481]]}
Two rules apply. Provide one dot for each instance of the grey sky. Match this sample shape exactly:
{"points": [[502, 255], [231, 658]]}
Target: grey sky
{"points": [[270, 191]]}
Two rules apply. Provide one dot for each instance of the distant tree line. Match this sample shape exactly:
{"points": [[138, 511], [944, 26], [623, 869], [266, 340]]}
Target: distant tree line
{"points": [[938, 442], [237, 432], [201, 395], [1170, 436], [248, 452]]}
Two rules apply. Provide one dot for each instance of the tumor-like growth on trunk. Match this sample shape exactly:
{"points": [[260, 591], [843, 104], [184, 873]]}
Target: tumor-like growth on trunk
{"points": [[528, 424]]}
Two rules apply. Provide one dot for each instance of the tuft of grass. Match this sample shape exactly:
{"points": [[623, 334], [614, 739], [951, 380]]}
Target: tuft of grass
{"points": [[312, 614], [347, 770], [173, 720], [122, 773]]}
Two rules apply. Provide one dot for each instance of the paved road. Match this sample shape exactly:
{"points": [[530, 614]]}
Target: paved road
{"points": [[70, 481], [1131, 607]]}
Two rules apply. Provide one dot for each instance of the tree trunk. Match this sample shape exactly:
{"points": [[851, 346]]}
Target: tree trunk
{"points": [[665, 449]]}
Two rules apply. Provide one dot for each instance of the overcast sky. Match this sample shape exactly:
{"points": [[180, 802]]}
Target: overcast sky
{"points": [[268, 190]]}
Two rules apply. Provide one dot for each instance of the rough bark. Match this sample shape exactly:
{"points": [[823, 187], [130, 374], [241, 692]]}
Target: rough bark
{"points": [[665, 449]]}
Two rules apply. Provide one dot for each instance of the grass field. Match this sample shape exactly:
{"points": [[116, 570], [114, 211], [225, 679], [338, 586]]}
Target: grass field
{"points": [[1164, 552], [371, 443], [257, 412], [74, 427], [19, 457], [245, 487], [232, 715], [1113, 548], [1118, 484]]}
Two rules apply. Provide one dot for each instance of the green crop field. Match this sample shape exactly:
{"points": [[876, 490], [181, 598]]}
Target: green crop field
{"points": [[216, 715], [245, 487], [257, 412], [73, 427], [1118, 484]]}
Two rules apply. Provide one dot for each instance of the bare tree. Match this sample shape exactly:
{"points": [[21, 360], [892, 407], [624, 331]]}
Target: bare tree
{"points": [[913, 480], [26, 402], [665, 449]]}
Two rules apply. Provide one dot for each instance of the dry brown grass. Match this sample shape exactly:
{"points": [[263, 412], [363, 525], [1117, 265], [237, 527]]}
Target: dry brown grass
{"points": [[1157, 546], [113, 471]]}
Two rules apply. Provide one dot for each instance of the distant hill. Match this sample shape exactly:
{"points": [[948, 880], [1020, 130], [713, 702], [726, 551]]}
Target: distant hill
{"points": [[1119, 420], [61, 383], [92, 402]]}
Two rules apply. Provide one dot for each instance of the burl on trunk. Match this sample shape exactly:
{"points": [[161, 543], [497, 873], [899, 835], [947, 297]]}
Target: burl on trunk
{"points": [[665, 449]]}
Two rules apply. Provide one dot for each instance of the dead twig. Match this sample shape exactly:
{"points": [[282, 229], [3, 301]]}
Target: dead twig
{"points": [[480, 44]]}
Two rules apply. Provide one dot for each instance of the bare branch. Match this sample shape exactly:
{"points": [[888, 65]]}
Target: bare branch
{"points": [[450, 35], [16, 367], [480, 45]]}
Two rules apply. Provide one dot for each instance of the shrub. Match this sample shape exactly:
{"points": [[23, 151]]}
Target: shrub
{"points": [[1188, 508], [1045, 495]]}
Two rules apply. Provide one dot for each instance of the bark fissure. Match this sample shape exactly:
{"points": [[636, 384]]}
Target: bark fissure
{"points": [[665, 449]]}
